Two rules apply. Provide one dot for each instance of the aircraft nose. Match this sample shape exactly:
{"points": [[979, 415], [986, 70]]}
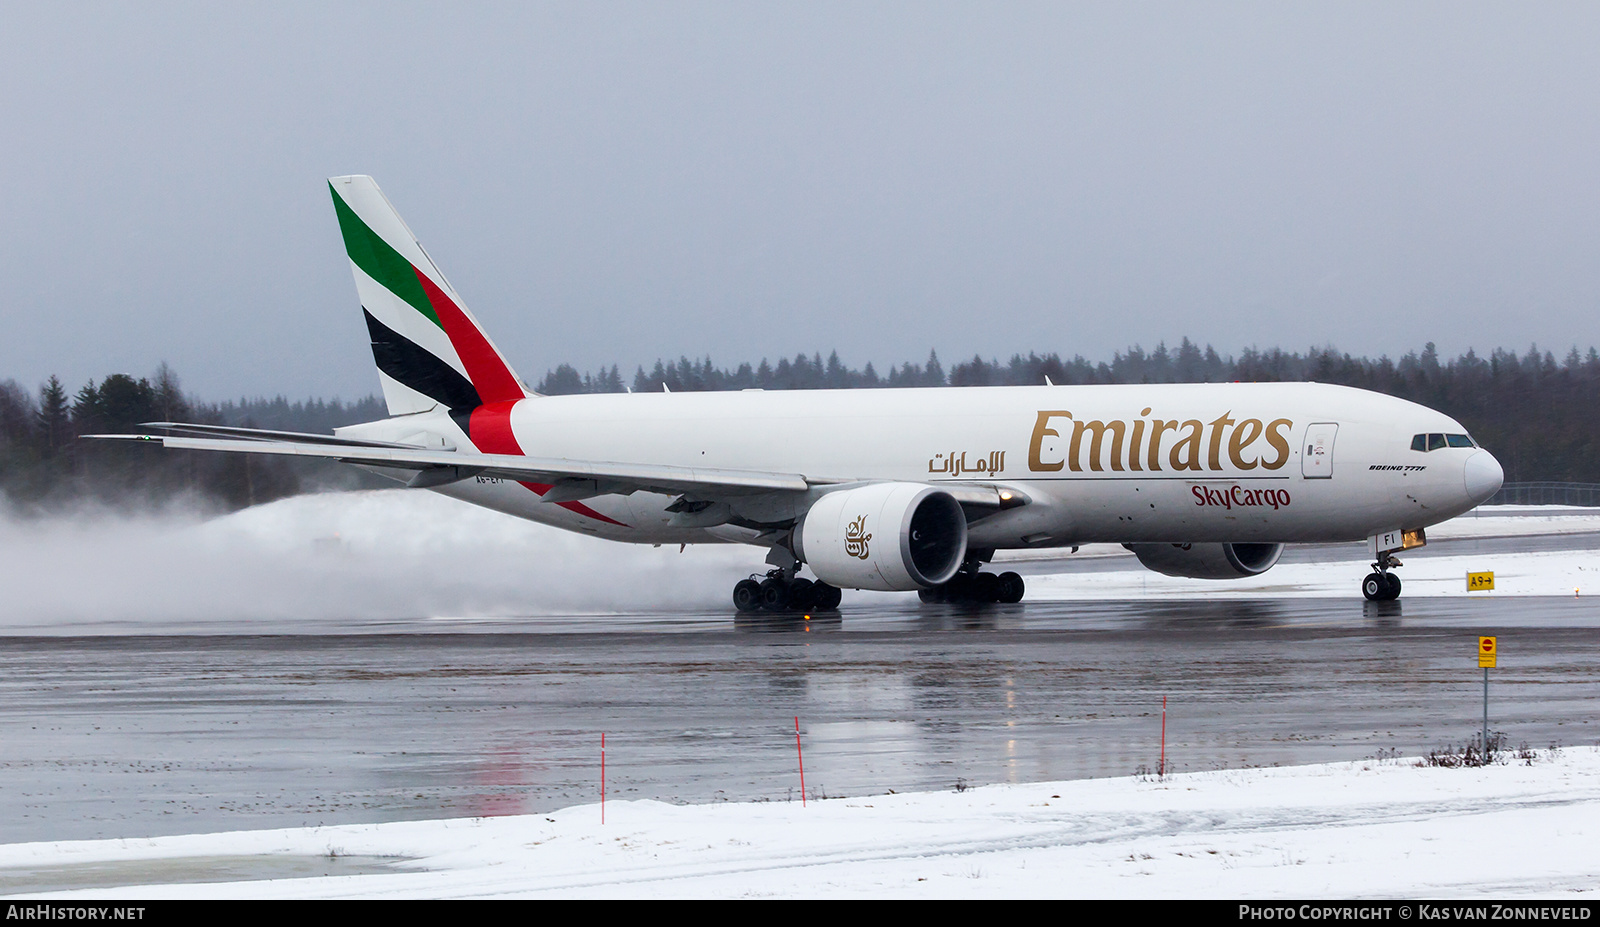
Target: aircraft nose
{"points": [[1483, 476]]}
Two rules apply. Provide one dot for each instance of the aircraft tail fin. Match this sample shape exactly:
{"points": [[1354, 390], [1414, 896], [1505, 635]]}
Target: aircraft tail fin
{"points": [[429, 349]]}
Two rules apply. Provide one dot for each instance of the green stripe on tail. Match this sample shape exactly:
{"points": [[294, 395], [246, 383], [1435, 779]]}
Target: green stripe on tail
{"points": [[379, 261]]}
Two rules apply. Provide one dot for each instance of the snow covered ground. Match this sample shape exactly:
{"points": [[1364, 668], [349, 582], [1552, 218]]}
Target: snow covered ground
{"points": [[1516, 521], [1367, 829]]}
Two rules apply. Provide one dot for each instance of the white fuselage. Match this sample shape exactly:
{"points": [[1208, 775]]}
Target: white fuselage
{"points": [[1273, 462]]}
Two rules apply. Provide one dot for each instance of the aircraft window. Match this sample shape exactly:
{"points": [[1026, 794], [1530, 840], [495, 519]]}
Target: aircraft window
{"points": [[1419, 442], [1435, 441], [1459, 441]]}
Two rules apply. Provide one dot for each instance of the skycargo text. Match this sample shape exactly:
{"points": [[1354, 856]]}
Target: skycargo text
{"points": [[1240, 497]]}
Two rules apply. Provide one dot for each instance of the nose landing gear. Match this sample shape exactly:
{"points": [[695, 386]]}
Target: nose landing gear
{"points": [[1382, 585]]}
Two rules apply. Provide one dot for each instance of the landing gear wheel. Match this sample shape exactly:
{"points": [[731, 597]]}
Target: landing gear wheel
{"points": [[979, 588], [802, 594], [774, 595], [747, 595], [1011, 588], [1381, 585], [777, 592]]}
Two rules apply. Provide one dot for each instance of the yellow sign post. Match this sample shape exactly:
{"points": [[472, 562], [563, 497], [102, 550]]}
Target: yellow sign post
{"points": [[1488, 649], [1480, 582]]}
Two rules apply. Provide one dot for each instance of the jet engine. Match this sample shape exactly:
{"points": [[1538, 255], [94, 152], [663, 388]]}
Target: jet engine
{"points": [[1208, 561], [885, 536]]}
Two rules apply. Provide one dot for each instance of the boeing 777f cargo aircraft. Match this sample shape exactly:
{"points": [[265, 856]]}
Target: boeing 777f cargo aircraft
{"points": [[891, 489]]}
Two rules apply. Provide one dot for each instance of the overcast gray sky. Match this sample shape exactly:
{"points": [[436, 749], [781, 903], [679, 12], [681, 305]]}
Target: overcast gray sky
{"points": [[620, 182]]}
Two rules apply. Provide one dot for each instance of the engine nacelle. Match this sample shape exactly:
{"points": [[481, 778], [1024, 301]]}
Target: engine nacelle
{"points": [[886, 536], [1208, 561]]}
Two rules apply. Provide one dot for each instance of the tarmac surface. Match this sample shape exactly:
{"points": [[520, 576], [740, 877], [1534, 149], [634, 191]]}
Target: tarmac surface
{"points": [[147, 734]]}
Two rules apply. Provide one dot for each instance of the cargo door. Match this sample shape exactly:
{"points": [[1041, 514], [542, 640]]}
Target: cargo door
{"points": [[1317, 461]]}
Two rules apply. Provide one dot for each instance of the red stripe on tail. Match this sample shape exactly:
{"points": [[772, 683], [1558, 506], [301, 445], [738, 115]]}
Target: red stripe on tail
{"points": [[485, 368]]}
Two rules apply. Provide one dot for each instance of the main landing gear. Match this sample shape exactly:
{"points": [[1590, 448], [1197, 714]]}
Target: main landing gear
{"points": [[969, 585], [1382, 585], [778, 593]]}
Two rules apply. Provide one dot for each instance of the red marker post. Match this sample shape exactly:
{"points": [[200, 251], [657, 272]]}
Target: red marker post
{"points": [[602, 778], [802, 760], [1161, 770]]}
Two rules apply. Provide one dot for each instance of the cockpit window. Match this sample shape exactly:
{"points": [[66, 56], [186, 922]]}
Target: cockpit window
{"points": [[1433, 442]]}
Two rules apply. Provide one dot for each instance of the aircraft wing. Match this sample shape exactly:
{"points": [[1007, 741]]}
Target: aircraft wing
{"points": [[569, 479], [436, 467]]}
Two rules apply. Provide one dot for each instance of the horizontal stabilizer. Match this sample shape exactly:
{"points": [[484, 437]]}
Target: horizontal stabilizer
{"points": [[259, 434]]}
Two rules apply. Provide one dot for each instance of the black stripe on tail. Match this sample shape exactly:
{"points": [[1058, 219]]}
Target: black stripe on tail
{"points": [[406, 362]]}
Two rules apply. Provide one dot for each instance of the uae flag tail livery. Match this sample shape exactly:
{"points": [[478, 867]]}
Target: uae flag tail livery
{"points": [[429, 348]]}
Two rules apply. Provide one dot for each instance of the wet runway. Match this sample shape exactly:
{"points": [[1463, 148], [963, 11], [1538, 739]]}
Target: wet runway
{"points": [[175, 733]]}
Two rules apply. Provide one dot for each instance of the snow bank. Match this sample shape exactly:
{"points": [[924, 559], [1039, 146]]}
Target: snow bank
{"points": [[1366, 829]]}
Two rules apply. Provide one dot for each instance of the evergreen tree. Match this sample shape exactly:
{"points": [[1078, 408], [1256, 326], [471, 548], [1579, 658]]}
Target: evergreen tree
{"points": [[562, 381], [53, 426], [17, 416], [86, 409]]}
